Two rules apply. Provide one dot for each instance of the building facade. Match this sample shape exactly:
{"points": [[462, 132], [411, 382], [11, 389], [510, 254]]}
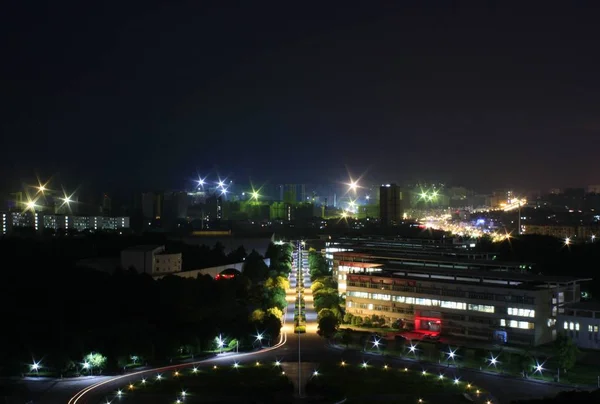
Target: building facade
{"points": [[581, 322], [440, 290], [151, 259], [391, 211], [40, 222]]}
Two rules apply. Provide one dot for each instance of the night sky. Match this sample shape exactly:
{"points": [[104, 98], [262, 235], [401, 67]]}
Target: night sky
{"points": [[147, 93]]}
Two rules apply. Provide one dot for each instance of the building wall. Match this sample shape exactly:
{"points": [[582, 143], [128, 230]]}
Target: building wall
{"points": [[166, 263], [212, 271], [464, 310], [141, 260], [583, 330], [390, 204]]}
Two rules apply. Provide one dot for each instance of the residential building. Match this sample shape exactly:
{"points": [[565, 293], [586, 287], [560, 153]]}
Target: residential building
{"points": [[151, 259], [39, 222], [390, 205]]}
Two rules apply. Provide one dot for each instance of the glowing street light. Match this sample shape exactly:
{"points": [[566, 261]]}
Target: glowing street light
{"points": [[277, 363], [364, 365], [119, 393], [259, 337], [451, 354], [316, 373], [568, 241], [158, 377], [35, 366], [201, 181], [183, 393], [376, 343], [31, 205], [220, 343], [412, 348], [343, 363], [235, 365], [195, 370], [86, 365], [255, 195]]}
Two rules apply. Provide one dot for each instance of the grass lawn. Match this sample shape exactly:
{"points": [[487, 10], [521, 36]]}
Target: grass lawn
{"points": [[380, 384], [264, 383]]}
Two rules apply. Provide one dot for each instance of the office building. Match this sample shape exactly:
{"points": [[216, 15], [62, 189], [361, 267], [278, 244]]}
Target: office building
{"points": [[390, 205], [451, 291]]}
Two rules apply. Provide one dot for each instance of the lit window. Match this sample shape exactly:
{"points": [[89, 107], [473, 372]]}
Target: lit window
{"points": [[576, 326], [571, 326], [502, 323], [481, 307], [589, 328]]}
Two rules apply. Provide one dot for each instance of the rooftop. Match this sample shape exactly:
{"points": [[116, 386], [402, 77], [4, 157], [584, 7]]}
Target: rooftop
{"points": [[431, 261], [492, 278], [143, 248]]}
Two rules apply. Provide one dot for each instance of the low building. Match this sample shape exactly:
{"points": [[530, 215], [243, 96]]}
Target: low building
{"points": [[40, 221], [581, 322], [151, 259]]}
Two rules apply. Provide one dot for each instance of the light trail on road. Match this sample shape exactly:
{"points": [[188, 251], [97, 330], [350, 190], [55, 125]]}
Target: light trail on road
{"points": [[75, 399]]}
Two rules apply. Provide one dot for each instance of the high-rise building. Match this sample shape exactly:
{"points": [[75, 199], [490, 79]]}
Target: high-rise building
{"points": [[290, 194], [390, 204], [106, 205]]}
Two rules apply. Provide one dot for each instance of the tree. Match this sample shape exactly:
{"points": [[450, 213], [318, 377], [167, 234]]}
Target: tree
{"points": [[326, 301], [325, 312], [328, 326], [316, 286], [255, 268], [238, 255], [348, 317], [257, 316], [277, 282], [566, 351], [275, 312], [95, 360]]}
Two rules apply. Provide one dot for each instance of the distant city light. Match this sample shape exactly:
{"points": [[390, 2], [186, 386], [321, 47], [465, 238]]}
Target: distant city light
{"points": [[568, 241]]}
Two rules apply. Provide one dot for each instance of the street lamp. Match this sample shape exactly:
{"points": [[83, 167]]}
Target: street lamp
{"points": [[220, 343], [35, 367]]}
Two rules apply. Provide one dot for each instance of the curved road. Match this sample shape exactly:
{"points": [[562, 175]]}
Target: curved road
{"points": [[314, 349]]}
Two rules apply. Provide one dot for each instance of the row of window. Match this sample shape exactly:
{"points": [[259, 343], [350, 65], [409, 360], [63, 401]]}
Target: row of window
{"points": [[513, 311], [423, 301], [446, 292], [575, 326], [523, 325]]}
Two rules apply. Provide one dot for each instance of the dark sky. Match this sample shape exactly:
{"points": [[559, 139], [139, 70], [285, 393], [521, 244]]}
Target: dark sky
{"points": [[146, 93]]}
